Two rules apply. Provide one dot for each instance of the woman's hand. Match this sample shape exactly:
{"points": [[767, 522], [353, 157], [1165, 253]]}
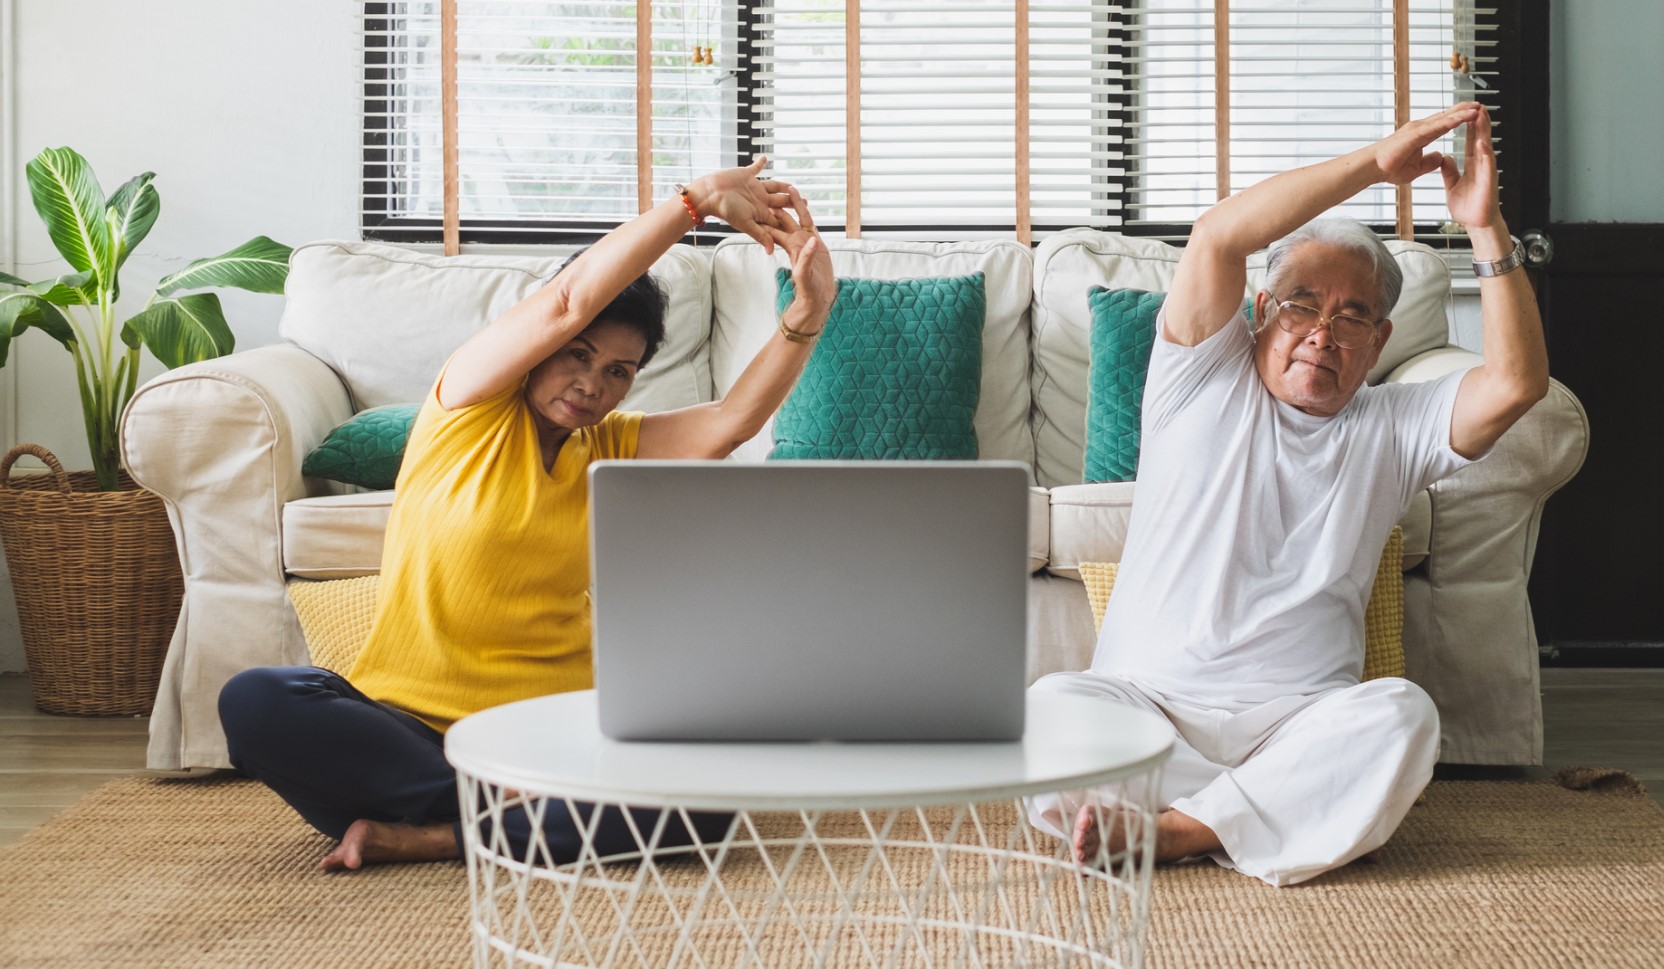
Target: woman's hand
{"points": [[713, 430], [814, 287], [742, 198], [1471, 193]]}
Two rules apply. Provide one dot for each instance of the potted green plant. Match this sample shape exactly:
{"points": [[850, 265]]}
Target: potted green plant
{"points": [[78, 309], [92, 557]]}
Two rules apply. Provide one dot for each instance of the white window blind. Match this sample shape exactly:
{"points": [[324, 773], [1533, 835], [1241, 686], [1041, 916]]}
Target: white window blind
{"points": [[547, 99], [1307, 80], [939, 135], [952, 119], [1079, 89]]}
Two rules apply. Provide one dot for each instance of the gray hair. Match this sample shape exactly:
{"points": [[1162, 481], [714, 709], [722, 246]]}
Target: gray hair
{"points": [[1349, 234]]}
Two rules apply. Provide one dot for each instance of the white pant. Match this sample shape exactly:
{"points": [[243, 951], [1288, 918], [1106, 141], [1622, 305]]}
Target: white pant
{"points": [[1294, 786]]}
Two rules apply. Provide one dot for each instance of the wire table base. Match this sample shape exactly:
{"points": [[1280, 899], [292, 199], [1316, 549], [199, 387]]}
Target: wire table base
{"points": [[957, 885]]}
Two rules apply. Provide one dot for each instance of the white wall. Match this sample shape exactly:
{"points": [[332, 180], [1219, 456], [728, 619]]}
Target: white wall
{"points": [[246, 110]]}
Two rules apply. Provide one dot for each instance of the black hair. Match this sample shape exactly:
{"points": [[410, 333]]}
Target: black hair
{"points": [[641, 307]]}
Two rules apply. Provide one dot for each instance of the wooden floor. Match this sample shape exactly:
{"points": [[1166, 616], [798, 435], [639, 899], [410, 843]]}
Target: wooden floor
{"points": [[1591, 718]]}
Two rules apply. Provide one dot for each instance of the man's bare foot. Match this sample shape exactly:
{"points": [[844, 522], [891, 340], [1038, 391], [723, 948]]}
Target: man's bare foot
{"points": [[1177, 836], [373, 841]]}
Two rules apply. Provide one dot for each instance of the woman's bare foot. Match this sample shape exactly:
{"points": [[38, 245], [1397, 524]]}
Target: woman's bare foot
{"points": [[373, 841], [1177, 836]]}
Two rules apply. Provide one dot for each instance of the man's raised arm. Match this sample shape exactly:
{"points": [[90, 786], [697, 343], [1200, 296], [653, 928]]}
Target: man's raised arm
{"points": [[1207, 288], [1515, 373]]}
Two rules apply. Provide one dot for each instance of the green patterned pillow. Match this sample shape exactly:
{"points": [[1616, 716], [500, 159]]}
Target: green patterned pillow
{"points": [[1123, 334], [366, 449], [896, 374]]}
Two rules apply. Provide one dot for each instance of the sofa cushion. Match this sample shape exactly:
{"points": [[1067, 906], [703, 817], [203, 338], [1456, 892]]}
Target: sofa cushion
{"points": [[1123, 335], [335, 537], [1088, 524], [340, 536], [386, 318], [1418, 530], [1068, 264], [1039, 528], [894, 375], [743, 293], [366, 449], [335, 617]]}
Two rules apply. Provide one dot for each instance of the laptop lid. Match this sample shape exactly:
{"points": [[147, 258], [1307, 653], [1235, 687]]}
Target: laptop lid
{"points": [[810, 600]]}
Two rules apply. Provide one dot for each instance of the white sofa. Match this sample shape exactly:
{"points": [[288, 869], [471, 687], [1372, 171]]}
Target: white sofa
{"points": [[222, 442]]}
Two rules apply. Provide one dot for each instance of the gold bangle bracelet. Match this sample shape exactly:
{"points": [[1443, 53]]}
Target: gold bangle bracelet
{"points": [[797, 336]]}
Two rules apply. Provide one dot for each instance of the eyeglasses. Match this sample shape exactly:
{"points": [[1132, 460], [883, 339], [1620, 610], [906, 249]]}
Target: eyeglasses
{"points": [[1349, 332]]}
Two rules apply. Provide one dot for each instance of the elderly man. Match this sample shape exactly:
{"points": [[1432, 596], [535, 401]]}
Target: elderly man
{"points": [[1269, 479]]}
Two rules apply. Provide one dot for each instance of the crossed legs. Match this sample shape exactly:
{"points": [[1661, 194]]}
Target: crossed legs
{"points": [[376, 778], [1283, 790]]}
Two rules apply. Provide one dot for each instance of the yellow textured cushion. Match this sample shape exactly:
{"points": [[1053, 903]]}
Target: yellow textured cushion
{"points": [[335, 617], [1383, 617]]}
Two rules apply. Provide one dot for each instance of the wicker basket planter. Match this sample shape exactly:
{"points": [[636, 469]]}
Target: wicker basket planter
{"points": [[98, 587]]}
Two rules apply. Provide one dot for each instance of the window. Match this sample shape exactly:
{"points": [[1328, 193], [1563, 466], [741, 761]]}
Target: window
{"points": [[972, 117], [547, 99], [938, 150], [1307, 80]]}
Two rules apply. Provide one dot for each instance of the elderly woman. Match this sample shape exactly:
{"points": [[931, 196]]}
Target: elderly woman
{"points": [[485, 570]]}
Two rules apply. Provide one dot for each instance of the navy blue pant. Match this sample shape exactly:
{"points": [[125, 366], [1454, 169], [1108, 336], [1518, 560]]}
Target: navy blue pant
{"points": [[335, 755]]}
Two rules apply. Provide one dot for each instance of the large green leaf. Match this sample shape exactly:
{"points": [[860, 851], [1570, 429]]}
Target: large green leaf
{"points": [[75, 289], [181, 331], [69, 201], [132, 211], [116, 254], [258, 265], [19, 311], [11, 280]]}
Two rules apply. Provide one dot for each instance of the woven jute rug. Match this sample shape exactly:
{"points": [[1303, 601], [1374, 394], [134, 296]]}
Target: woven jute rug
{"points": [[219, 872]]}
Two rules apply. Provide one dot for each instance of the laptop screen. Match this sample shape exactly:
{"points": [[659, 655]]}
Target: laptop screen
{"points": [[871, 600]]}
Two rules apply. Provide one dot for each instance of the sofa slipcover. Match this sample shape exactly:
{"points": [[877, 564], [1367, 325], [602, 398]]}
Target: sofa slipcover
{"points": [[364, 324]]}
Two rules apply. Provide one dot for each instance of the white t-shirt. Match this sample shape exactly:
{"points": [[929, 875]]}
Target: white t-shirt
{"points": [[1257, 529]]}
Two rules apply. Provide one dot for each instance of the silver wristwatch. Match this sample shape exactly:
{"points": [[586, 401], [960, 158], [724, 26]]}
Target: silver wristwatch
{"points": [[1508, 263]]}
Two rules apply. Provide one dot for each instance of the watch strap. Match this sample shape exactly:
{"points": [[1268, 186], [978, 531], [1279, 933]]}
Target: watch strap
{"points": [[1496, 267]]}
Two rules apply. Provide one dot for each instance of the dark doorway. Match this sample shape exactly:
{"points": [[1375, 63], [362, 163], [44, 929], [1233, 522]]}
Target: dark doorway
{"points": [[1596, 584]]}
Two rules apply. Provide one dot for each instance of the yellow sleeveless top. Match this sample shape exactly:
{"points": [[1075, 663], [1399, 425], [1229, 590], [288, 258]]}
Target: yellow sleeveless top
{"points": [[484, 593]]}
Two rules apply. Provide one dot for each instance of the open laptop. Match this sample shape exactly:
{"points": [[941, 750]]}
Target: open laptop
{"points": [[810, 600]]}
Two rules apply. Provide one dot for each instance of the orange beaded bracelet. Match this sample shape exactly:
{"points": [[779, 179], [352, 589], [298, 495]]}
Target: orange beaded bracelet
{"points": [[687, 203]]}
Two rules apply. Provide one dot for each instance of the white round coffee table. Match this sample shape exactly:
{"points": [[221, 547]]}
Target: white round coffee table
{"points": [[837, 854]]}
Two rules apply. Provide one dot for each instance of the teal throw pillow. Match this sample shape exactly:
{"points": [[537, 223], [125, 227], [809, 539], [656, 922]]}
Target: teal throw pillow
{"points": [[1123, 334], [896, 373], [366, 449]]}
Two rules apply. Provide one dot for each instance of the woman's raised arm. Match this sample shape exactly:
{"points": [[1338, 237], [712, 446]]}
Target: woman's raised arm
{"points": [[500, 355], [715, 429]]}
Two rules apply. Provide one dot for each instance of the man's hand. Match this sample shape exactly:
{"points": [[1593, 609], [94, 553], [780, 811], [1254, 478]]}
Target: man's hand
{"points": [[1471, 193], [1403, 157], [1207, 287]]}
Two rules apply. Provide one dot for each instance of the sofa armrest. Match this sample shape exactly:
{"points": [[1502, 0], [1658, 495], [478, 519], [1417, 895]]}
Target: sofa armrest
{"points": [[1474, 647], [222, 443]]}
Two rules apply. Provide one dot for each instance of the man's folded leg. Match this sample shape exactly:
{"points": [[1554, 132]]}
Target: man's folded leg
{"points": [[1185, 772], [1331, 783]]}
